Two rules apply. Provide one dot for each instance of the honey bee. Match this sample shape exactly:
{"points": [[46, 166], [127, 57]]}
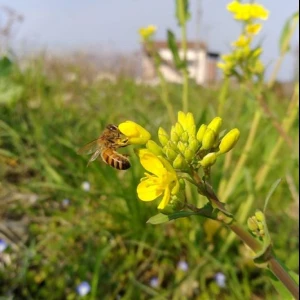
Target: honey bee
{"points": [[106, 146]]}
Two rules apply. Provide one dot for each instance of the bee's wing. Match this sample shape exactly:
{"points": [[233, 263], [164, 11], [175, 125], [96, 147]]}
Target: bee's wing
{"points": [[94, 156], [90, 148]]}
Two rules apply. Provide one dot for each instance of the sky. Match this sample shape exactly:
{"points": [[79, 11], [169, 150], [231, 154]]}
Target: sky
{"points": [[100, 25]]}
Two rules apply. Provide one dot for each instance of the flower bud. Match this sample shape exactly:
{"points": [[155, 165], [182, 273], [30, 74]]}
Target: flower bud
{"points": [[179, 129], [154, 148], [215, 125], [182, 119], [201, 132], [208, 160], [170, 153], [252, 224], [193, 144], [260, 225], [179, 162], [174, 135], [163, 136], [189, 154], [181, 146], [208, 139], [259, 215], [184, 136], [190, 124], [229, 140]]}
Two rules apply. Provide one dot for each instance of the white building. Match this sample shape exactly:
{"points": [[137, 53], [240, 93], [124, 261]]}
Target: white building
{"points": [[201, 63]]}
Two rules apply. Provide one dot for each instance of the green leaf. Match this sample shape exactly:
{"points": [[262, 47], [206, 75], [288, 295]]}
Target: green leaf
{"points": [[182, 11], [271, 192], [9, 91], [161, 218], [287, 32], [5, 66], [179, 64]]}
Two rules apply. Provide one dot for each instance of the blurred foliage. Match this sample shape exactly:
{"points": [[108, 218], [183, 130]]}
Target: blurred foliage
{"points": [[60, 235]]}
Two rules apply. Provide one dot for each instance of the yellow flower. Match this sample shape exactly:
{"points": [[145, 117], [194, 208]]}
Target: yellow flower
{"points": [[257, 52], [136, 133], [243, 13], [258, 67], [253, 28], [147, 32], [234, 6], [162, 180], [247, 11], [242, 41], [227, 67], [257, 11]]}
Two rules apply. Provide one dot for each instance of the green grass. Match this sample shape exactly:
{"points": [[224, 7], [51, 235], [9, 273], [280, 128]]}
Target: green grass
{"points": [[102, 236]]}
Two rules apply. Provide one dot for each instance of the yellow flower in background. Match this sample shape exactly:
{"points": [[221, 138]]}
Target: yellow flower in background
{"points": [[162, 180], [147, 32], [242, 41], [234, 7], [247, 11], [257, 11], [253, 28], [257, 52], [244, 13], [258, 67], [136, 134]]}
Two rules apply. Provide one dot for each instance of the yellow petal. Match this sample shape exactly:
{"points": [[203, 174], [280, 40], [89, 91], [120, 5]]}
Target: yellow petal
{"points": [[147, 192], [182, 119], [165, 200], [150, 162], [136, 133]]}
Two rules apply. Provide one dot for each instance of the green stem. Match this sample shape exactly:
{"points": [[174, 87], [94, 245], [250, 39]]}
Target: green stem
{"points": [[223, 96], [287, 123], [245, 236], [164, 90], [248, 239], [283, 276], [185, 92], [284, 50], [241, 162]]}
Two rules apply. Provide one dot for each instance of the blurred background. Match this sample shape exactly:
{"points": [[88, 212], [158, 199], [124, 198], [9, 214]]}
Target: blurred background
{"points": [[69, 68]]}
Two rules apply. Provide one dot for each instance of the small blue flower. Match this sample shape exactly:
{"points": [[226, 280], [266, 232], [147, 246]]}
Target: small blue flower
{"points": [[220, 279], [3, 245], [183, 265], [83, 288], [65, 202], [154, 282]]}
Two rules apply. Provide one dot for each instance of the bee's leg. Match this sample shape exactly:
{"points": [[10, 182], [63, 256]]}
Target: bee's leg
{"points": [[122, 142]]}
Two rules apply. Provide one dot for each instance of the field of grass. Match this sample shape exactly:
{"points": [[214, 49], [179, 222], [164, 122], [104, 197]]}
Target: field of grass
{"points": [[65, 223]]}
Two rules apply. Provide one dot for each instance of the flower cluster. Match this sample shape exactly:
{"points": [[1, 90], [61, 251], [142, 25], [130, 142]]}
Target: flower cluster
{"points": [[243, 61], [184, 149], [146, 33], [256, 224], [247, 11]]}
